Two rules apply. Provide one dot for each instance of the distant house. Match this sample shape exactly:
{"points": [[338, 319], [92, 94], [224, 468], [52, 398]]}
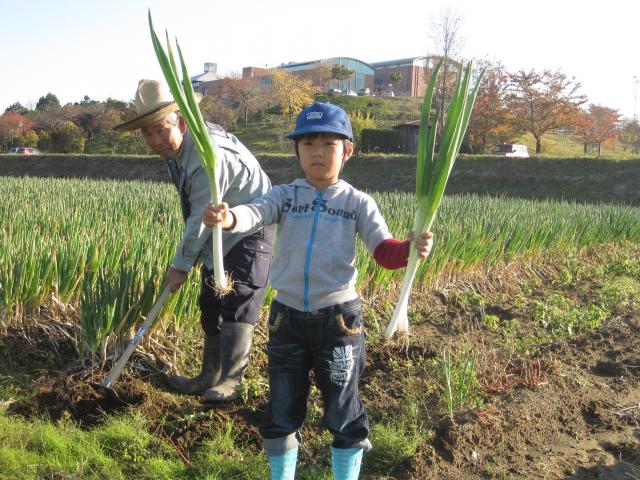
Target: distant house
{"points": [[409, 135], [206, 83], [414, 71]]}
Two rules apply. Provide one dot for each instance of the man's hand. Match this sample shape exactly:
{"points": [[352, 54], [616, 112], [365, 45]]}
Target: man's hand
{"points": [[218, 215], [422, 244], [174, 279]]}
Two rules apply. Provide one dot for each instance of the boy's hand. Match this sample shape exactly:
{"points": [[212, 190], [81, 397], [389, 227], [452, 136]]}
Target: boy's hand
{"points": [[218, 215], [422, 244]]}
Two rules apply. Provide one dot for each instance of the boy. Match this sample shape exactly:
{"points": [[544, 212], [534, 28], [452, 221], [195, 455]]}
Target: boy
{"points": [[316, 321]]}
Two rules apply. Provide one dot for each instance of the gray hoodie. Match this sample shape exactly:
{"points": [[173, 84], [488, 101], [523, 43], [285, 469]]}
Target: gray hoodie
{"points": [[313, 266]]}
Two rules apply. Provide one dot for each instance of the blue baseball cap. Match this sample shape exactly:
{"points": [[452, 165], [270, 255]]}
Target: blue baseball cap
{"points": [[323, 118]]}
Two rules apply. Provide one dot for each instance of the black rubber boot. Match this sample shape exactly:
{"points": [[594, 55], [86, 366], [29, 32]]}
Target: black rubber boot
{"points": [[234, 359], [209, 375]]}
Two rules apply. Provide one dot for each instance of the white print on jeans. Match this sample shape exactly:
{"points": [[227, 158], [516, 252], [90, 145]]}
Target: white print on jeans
{"points": [[342, 365]]}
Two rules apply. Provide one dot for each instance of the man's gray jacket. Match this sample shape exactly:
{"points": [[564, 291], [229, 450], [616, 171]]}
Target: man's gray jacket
{"points": [[240, 180]]}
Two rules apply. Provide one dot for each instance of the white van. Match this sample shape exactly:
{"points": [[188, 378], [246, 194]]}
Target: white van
{"points": [[511, 150]]}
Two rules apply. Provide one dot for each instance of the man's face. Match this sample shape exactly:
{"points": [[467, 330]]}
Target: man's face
{"points": [[163, 137]]}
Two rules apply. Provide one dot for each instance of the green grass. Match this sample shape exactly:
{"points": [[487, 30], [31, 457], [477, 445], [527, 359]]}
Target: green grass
{"points": [[558, 145], [122, 448]]}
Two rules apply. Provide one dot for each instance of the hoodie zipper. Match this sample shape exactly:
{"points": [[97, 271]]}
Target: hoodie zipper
{"points": [[307, 262]]}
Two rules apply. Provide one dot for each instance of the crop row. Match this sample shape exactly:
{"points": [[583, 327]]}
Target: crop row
{"points": [[107, 244]]}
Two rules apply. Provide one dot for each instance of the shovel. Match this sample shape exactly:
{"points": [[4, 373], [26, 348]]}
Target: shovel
{"points": [[105, 386]]}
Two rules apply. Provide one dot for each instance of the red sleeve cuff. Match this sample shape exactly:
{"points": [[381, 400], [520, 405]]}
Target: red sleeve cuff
{"points": [[392, 254]]}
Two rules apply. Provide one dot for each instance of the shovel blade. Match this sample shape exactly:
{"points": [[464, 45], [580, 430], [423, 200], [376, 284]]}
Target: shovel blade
{"points": [[109, 392]]}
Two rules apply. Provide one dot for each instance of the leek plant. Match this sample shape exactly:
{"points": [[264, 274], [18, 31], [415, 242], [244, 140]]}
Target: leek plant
{"points": [[185, 97], [432, 173]]}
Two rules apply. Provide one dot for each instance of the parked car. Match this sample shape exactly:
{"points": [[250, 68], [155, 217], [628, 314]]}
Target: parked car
{"points": [[364, 92], [25, 151], [334, 91], [350, 93], [388, 94], [511, 150]]}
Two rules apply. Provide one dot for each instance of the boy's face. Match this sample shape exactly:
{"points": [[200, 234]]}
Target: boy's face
{"points": [[322, 157]]}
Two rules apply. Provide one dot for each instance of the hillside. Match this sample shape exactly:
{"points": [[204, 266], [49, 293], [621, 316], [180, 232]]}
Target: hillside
{"points": [[583, 180]]}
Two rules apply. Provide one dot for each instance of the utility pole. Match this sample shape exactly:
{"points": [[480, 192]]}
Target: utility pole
{"points": [[636, 80]]}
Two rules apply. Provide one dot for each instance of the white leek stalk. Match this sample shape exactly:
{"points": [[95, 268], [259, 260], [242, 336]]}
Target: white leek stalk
{"points": [[432, 174], [185, 97]]}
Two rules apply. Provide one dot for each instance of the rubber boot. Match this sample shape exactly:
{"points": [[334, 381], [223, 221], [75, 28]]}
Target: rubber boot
{"points": [[283, 467], [346, 462], [234, 360], [209, 375]]}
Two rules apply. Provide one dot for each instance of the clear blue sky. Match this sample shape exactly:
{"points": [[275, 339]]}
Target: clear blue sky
{"points": [[74, 48]]}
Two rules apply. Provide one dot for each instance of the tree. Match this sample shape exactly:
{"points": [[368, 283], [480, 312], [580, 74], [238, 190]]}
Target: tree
{"points": [[360, 122], [243, 93], [490, 119], [12, 128], [320, 75], [541, 102], [340, 73], [290, 92], [630, 136], [48, 103], [395, 78], [67, 138], [583, 129], [215, 111], [445, 32], [606, 124], [17, 108]]}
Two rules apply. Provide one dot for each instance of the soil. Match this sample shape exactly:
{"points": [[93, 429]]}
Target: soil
{"points": [[572, 411]]}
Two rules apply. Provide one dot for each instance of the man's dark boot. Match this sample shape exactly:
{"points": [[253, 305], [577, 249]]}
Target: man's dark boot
{"points": [[234, 360], [210, 373]]}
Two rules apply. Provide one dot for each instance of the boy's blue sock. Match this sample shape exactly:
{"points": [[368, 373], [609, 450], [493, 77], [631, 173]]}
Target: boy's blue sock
{"points": [[283, 467], [346, 463]]}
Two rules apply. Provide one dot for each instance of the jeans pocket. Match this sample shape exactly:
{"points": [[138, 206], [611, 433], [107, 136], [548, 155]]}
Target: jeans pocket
{"points": [[350, 323], [275, 321]]}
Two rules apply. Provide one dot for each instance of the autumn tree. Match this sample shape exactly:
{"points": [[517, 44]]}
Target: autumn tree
{"points": [[583, 129], [216, 111], [490, 120], [320, 75], [290, 92], [243, 94], [541, 102], [606, 125], [13, 127]]}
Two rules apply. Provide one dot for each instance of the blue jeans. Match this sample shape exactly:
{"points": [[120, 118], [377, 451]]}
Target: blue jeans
{"points": [[330, 342]]}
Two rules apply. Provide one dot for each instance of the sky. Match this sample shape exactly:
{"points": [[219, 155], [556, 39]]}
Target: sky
{"points": [[74, 48]]}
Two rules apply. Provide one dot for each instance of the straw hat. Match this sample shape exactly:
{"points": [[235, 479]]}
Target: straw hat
{"points": [[152, 103]]}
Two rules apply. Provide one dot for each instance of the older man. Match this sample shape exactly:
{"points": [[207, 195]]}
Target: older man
{"points": [[228, 321]]}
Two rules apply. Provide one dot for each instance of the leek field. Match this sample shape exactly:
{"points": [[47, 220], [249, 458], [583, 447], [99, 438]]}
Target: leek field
{"points": [[89, 256]]}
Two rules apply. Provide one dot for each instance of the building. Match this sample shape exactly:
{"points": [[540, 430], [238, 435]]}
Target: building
{"points": [[408, 136], [413, 73], [206, 83], [361, 78]]}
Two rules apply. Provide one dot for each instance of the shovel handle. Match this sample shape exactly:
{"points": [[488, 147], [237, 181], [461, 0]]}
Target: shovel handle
{"points": [[153, 313]]}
